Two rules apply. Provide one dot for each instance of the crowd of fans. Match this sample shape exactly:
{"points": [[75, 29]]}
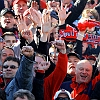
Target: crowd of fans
{"points": [[50, 50]]}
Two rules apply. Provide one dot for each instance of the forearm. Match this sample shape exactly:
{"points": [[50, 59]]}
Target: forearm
{"points": [[24, 75]]}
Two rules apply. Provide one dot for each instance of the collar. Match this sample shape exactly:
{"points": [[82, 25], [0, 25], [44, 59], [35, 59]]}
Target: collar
{"points": [[77, 88]]}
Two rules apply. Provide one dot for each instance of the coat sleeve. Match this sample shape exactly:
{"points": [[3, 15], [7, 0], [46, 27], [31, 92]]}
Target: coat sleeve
{"points": [[76, 11], [24, 75], [54, 80]]}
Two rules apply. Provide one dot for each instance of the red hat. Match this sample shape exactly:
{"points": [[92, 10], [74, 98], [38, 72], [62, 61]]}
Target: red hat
{"points": [[43, 4], [91, 58], [16, 1]]}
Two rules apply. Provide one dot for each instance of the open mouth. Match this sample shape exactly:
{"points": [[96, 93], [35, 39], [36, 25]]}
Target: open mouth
{"points": [[72, 67], [83, 77], [7, 22]]}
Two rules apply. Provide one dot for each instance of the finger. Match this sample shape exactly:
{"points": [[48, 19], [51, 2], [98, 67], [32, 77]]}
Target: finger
{"points": [[32, 4], [62, 6], [65, 6], [68, 13], [16, 21]]}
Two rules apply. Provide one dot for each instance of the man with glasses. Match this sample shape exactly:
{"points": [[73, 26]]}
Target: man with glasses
{"points": [[22, 75], [10, 67], [8, 22]]}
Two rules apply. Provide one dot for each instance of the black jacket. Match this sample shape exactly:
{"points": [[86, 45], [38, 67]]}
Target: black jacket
{"points": [[96, 92], [76, 11], [38, 86]]}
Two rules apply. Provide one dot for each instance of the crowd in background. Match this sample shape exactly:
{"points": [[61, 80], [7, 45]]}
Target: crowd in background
{"points": [[50, 50]]}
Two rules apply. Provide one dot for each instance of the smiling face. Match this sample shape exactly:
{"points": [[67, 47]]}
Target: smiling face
{"points": [[7, 21], [9, 72], [6, 53], [83, 71]]}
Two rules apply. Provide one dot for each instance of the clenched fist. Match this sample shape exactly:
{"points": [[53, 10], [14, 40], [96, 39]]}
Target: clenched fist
{"points": [[27, 51]]}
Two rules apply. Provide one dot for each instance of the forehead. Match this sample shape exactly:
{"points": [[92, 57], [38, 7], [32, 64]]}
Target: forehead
{"points": [[10, 63], [63, 95], [38, 59], [7, 37], [7, 51], [84, 64], [72, 57]]}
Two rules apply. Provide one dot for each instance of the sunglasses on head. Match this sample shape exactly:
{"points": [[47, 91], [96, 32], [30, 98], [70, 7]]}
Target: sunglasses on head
{"points": [[60, 98], [11, 66]]}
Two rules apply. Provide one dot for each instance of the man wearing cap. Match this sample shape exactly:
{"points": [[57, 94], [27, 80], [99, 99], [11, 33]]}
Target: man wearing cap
{"points": [[8, 21], [62, 95], [73, 59], [7, 18], [19, 6]]}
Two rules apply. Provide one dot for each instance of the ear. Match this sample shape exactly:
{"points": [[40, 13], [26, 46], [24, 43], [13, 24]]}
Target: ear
{"points": [[13, 7]]}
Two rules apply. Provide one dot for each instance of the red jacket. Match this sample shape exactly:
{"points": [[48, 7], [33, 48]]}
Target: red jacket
{"points": [[54, 80], [82, 91]]}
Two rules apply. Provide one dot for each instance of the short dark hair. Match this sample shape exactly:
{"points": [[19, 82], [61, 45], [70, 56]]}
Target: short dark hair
{"points": [[8, 34], [10, 58], [21, 93], [7, 47]]}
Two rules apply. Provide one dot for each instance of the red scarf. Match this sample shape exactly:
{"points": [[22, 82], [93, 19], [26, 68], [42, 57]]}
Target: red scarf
{"points": [[77, 88]]}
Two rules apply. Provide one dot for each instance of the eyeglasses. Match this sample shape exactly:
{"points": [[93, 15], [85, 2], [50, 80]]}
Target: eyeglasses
{"points": [[60, 98], [53, 54], [11, 66]]}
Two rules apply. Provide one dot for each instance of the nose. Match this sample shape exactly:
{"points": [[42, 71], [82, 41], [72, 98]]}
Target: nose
{"points": [[21, 8], [84, 71], [8, 68]]}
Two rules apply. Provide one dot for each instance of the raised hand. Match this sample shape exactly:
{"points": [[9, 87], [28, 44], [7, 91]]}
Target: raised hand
{"points": [[46, 22], [21, 23], [27, 34], [35, 16], [35, 5], [60, 45], [27, 51], [62, 14]]}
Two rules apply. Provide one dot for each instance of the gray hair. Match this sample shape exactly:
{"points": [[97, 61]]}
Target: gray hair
{"points": [[21, 93]]}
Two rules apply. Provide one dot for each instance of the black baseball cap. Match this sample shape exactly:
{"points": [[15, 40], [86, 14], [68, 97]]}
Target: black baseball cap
{"points": [[74, 54], [7, 10]]}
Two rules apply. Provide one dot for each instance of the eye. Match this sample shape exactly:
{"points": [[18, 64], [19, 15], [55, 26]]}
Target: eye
{"points": [[12, 66], [87, 70], [69, 61], [81, 69], [5, 66]]}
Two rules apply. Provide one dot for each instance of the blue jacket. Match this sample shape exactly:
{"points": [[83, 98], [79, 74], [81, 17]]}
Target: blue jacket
{"points": [[22, 80]]}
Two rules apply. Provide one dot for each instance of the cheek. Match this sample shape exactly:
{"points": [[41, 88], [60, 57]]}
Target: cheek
{"points": [[14, 71]]}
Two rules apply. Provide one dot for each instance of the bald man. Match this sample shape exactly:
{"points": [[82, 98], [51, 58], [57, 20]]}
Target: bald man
{"points": [[81, 86]]}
